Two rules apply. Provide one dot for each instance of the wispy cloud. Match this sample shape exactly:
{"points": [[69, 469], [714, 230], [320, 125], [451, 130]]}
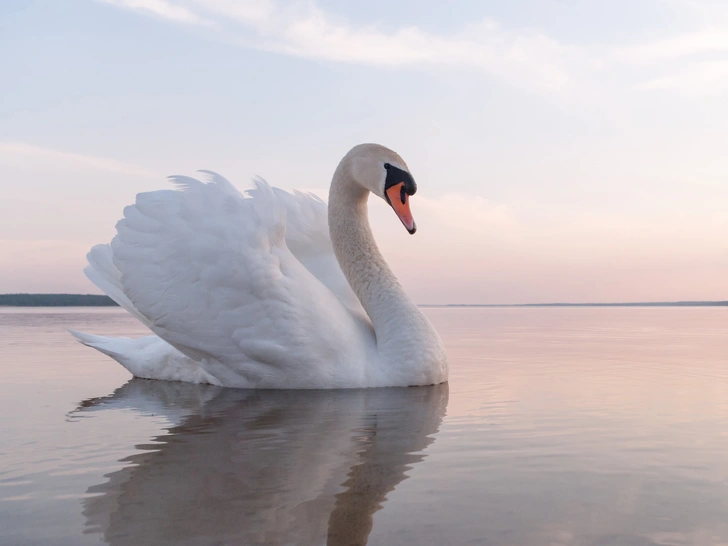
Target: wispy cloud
{"points": [[29, 150], [674, 48], [164, 9], [305, 30], [690, 63], [521, 56]]}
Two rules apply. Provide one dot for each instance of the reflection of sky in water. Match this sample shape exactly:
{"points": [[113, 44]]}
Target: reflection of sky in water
{"points": [[563, 426]]}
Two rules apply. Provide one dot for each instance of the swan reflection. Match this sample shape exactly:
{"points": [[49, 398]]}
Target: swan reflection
{"points": [[261, 467]]}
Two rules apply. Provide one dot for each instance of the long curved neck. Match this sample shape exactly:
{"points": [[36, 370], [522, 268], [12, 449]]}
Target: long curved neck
{"points": [[390, 309]]}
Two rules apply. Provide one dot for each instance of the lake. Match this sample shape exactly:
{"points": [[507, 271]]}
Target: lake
{"points": [[560, 426]]}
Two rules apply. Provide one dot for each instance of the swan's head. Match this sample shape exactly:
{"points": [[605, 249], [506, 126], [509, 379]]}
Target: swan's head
{"points": [[385, 174]]}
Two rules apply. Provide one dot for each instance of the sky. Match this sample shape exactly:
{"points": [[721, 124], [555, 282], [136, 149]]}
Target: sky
{"points": [[565, 151]]}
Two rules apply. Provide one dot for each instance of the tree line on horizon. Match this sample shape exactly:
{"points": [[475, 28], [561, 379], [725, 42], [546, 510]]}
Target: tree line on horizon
{"points": [[55, 300]]}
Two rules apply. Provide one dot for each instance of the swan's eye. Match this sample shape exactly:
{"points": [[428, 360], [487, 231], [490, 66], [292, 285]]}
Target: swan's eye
{"points": [[396, 176]]}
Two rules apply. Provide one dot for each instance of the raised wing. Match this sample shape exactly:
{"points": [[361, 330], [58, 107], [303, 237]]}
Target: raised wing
{"points": [[210, 273]]}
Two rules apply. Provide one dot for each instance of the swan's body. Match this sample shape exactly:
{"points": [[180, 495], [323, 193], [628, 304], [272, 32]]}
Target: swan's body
{"points": [[253, 292]]}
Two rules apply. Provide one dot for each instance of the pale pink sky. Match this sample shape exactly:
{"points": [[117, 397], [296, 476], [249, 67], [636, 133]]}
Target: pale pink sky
{"points": [[571, 156]]}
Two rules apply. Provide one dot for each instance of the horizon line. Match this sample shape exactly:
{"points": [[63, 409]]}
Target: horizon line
{"points": [[678, 303], [682, 303]]}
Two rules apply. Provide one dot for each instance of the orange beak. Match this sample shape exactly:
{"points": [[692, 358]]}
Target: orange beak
{"points": [[399, 199]]}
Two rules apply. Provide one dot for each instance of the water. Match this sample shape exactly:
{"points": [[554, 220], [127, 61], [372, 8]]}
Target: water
{"points": [[559, 427]]}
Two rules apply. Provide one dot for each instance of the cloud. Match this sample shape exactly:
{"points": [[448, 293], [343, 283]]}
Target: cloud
{"points": [[164, 9], [522, 57], [305, 30], [691, 63], [670, 49], [246, 11], [15, 149]]}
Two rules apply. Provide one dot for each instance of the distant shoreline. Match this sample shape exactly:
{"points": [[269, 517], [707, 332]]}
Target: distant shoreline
{"points": [[55, 300], [623, 304], [92, 300]]}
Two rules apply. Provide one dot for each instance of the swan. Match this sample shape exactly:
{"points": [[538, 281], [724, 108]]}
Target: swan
{"points": [[269, 290]]}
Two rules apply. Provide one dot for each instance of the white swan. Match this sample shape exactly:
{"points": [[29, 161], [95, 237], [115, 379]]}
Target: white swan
{"points": [[252, 291]]}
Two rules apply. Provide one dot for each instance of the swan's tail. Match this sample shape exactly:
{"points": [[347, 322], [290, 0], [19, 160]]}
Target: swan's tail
{"points": [[113, 347], [148, 357]]}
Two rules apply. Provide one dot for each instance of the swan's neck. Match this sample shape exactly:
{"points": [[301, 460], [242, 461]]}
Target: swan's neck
{"points": [[396, 319]]}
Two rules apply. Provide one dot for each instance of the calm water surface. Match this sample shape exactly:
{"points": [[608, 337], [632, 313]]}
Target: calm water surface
{"points": [[559, 427]]}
